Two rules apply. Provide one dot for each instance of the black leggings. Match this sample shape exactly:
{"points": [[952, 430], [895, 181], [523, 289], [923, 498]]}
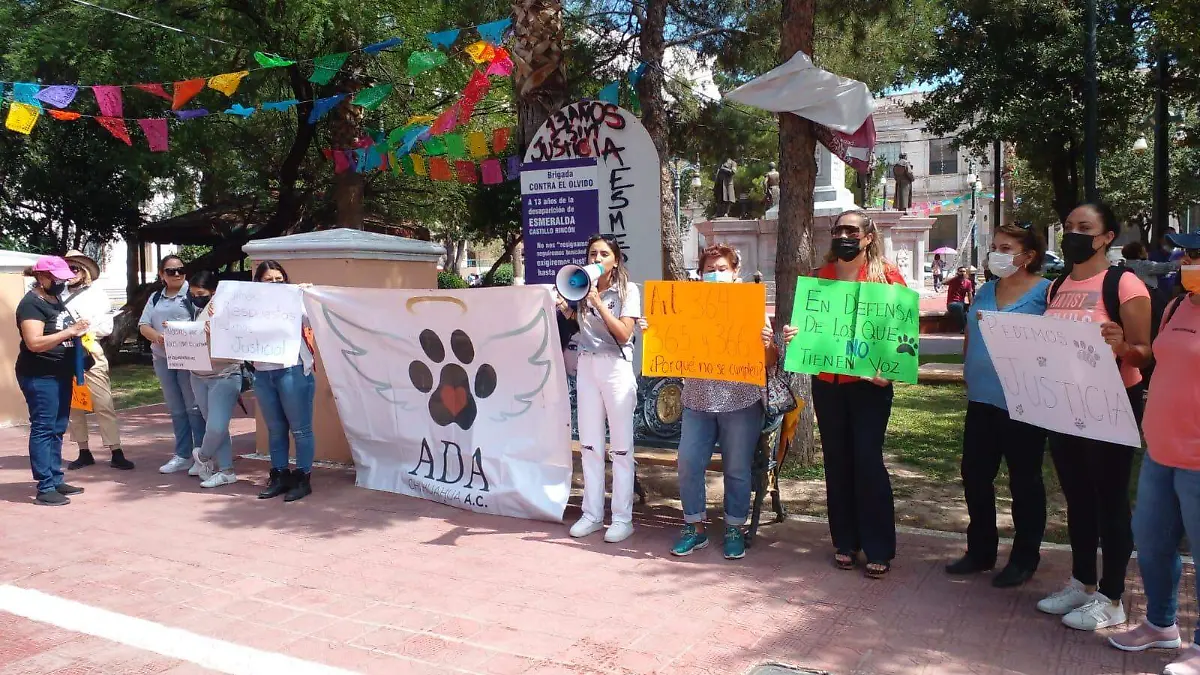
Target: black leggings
{"points": [[853, 419]]}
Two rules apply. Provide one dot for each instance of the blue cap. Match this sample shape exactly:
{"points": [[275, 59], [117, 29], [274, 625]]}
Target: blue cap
{"points": [[1190, 240]]}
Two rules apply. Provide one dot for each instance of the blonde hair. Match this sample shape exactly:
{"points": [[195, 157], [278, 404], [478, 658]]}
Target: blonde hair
{"points": [[876, 263]]}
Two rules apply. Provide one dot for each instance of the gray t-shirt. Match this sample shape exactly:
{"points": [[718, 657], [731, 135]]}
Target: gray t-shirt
{"points": [[168, 308], [594, 336], [714, 396]]}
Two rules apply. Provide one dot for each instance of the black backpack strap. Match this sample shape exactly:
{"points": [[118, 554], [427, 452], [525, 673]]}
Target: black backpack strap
{"points": [[1054, 286], [1174, 306], [1110, 292]]}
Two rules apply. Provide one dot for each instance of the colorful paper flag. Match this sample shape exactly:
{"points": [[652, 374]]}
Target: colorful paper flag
{"points": [[64, 115], [512, 169], [443, 38], [406, 163], [420, 62], [394, 163], [341, 162], [58, 95], [382, 46], [635, 75], [186, 90], [26, 92], [227, 83], [439, 169], [445, 121], [436, 145], [154, 89], [492, 173], [418, 165], [327, 66], [500, 139], [494, 32], [420, 119], [610, 93], [456, 146], [21, 117], [240, 110], [267, 60], [280, 105], [156, 133], [116, 127], [191, 114], [411, 137], [466, 172], [477, 143], [322, 106], [501, 66], [481, 52], [477, 87], [372, 98], [108, 98]]}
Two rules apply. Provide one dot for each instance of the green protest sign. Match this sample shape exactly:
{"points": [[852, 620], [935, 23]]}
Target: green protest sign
{"points": [[852, 328]]}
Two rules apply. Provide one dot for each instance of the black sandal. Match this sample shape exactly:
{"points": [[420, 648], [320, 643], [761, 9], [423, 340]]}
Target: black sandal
{"points": [[845, 560], [877, 570]]}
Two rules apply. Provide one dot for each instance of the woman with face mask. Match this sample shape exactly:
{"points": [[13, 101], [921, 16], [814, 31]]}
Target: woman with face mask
{"points": [[606, 388], [45, 371], [171, 304], [990, 436], [216, 392], [728, 412], [1095, 474], [852, 415], [1168, 505]]}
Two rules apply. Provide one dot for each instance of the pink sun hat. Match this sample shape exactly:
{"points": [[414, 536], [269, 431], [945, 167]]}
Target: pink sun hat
{"points": [[55, 266]]}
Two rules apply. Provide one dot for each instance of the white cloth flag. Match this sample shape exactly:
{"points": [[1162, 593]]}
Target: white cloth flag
{"points": [[459, 397], [801, 88], [1059, 375]]}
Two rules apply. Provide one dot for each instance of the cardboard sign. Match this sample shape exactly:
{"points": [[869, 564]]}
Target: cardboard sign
{"points": [[186, 346], [256, 322], [81, 397], [1059, 375], [711, 331], [852, 328]]}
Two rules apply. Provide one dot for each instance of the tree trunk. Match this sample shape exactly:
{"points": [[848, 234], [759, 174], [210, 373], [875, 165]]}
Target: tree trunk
{"points": [[654, 118], [797, 180], [510, 248], [460, 249]]}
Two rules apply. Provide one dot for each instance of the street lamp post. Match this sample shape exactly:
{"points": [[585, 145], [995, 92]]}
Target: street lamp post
{"points": [[1090, 104], [976, 186], [883, 184], [678, 169]]}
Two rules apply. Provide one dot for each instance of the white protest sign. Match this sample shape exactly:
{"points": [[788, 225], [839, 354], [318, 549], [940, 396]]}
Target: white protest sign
{"points": [[186, 346], [1059, 375], [256, 322]]}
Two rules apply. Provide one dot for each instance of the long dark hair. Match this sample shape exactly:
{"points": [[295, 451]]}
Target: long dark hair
{"points": [[875, 262], [206, 280], [620, 276], [267, 265], [1107, 218]]}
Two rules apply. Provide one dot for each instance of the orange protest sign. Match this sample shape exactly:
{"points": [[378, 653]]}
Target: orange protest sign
{"points": [[710, 331], [81, 397]]}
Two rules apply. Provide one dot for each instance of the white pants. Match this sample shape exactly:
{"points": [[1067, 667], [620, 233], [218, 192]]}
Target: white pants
{"points": [[605, 387]]}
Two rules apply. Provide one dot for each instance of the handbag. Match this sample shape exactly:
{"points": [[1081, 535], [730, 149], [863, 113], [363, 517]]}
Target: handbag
{"points": [[778, 397]]}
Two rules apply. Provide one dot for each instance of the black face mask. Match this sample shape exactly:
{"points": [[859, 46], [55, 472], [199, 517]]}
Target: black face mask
{"points": [[1078, 248], [200, 301], [56, 287], [846, 249]]}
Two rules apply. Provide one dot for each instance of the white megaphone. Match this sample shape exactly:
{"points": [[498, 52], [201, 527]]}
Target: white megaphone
{"points": [[574, 282]]}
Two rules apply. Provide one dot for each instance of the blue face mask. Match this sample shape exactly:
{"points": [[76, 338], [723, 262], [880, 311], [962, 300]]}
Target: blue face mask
{"points": [[719, 277]]}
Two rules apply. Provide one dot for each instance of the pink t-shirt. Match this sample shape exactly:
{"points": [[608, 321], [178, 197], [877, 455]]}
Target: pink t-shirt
{"points": [[1173, 439], [1081, 301]]}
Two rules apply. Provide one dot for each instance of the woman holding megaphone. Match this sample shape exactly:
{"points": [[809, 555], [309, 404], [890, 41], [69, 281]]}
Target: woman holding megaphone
{"points": [[605, 387]]}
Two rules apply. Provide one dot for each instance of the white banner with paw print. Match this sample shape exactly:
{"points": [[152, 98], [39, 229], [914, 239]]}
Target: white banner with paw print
{"points": [[459, 397], [1059, 375]]}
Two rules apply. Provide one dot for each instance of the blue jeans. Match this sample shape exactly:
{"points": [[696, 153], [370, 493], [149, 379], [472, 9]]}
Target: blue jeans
{"points": [[181, 403], [49, 400], [738, 434], [1168, 505], [285, 398], [216, 397]]}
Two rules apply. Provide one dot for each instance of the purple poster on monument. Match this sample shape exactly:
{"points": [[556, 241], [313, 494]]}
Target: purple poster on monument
{"points": [[560, 211]]}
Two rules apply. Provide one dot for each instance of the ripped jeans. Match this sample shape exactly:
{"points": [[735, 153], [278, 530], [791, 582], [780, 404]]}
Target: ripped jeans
{"points": [[605, 388]]}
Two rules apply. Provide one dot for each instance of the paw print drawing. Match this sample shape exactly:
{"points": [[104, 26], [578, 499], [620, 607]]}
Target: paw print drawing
{"points": [[1079, 424], [453, 401], [1087, 353], [1020, 409], [1042, 361], [907, 345]]}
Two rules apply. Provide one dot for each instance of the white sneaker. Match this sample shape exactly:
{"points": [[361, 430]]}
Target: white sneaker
{"points": [[176, 465], [195, 470], [204, 469], [1098, 613], [220, 478], [1070, 598], [618, 532], [585, 526]]}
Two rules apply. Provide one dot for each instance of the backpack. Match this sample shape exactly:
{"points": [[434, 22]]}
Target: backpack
{"points": [[1110, 291]]}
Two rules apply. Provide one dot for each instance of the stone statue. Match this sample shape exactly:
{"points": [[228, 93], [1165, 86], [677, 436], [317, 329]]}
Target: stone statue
{"points": [[723, 192], [902, 172], [772, 186]]}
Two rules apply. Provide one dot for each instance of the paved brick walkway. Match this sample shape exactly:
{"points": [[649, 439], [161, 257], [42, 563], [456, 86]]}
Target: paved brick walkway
{"points": [[378, 583]]}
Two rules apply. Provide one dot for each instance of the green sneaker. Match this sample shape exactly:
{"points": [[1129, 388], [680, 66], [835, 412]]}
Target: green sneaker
{"points": [[689, 540], [735, 543]]}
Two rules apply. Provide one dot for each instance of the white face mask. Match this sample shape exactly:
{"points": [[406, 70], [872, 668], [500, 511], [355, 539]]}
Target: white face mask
{"points": [[1001, 264], [720, 277]]}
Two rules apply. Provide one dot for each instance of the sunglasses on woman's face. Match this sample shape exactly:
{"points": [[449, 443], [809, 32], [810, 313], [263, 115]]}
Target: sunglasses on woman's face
{"points": [[76, 269], [173, 271]]}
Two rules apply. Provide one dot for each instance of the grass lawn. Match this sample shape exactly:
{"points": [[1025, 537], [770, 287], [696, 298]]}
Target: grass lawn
{"points": [[940, 358], [134, 384]]}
